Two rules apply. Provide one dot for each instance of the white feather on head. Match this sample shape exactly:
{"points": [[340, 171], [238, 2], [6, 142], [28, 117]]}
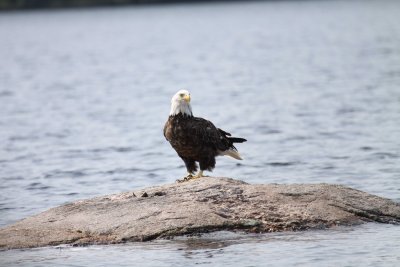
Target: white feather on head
{"points": [[180, 103]]}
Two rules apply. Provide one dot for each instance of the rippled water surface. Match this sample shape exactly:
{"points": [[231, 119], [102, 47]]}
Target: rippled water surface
{"points": [[370, 246], [314, 86]]}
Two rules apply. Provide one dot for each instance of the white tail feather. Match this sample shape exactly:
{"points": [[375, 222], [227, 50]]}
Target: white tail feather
{"points": [[231, 153]]}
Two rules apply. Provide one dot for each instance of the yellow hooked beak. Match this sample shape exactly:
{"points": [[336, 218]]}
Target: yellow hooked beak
{"points": [[187, 98]]}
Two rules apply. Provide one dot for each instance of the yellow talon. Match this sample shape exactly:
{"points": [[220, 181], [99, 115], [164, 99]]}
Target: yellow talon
{"points": [[198, 175], [188, 177]]}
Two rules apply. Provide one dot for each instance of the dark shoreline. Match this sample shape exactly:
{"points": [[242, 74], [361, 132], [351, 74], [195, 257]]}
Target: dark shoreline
{"points": [[56, 4]]}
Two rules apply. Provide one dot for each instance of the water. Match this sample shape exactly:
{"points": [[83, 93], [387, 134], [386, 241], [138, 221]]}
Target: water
{"points": [[313, 85], [318, 248]]}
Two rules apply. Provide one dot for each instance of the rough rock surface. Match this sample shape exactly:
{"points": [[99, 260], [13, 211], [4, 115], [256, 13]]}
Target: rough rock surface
{"points": [[203, 205]]}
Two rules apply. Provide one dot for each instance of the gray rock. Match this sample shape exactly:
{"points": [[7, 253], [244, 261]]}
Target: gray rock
{"points": [[199, 206]]}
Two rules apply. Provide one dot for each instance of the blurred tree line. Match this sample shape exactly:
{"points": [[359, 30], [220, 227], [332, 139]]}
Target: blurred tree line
{"points": [[18, 4]]}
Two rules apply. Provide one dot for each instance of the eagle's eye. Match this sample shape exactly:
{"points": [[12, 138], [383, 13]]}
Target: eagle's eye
{"points": [[182, 95]]}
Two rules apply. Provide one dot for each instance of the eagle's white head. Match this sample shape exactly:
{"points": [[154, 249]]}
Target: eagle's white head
{"points": [[180, 103]]}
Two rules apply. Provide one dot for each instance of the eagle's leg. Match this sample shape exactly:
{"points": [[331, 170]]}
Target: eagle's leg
{"points": [[198, 175], [205, 164], [191, 168]]}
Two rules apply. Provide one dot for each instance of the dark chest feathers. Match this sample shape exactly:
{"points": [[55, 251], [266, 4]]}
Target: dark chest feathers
{"points": [[192, 137]]}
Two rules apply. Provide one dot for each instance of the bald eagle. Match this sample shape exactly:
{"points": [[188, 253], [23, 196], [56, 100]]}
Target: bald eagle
{"points": [[196, 139]]}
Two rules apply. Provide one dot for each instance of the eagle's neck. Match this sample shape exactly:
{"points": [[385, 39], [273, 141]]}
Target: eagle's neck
{"points": [[181, 107]]}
